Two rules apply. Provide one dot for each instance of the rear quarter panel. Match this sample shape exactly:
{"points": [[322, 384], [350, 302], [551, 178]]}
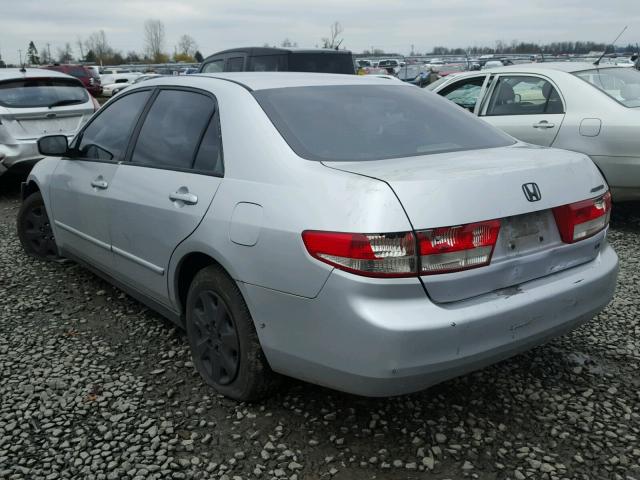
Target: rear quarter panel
{"points": [[294, 195]]}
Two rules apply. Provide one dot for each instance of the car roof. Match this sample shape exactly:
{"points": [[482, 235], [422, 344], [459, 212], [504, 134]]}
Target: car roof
{"points": [[568, 67], [267, 80], [18, 73], [276, 50]]}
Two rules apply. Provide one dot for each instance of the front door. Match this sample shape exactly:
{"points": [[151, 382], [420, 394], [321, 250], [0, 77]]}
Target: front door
{"points": [[525, 106], [81, 184], [163, 192]]}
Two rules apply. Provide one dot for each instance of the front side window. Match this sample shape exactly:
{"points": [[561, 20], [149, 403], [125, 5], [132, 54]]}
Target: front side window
{"points": [[523, 95], [107, 136], [373, 122], [42, 92], [172, 129], [621, 84], [213, 67], [235, 64], [465, 93]]}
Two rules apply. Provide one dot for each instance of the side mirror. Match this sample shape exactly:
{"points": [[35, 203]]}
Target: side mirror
{"points": [[53, 145]]}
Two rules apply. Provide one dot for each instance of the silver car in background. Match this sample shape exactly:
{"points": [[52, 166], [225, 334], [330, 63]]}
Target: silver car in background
{"points": [[575, 106], [352, 232], [36, 102]]}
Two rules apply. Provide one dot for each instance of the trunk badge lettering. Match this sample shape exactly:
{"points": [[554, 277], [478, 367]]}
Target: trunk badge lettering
{"points": [[531, 192]]}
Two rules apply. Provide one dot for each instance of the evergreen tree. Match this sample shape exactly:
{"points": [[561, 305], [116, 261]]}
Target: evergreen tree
{"points": [[198, 56], [32, 54]]}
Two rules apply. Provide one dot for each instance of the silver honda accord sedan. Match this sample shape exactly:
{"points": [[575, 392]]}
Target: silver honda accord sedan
{"points": [[347, 231]]}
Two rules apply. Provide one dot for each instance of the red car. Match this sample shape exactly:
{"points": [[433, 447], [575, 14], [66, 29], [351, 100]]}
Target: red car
{"points": [[88, 77]]}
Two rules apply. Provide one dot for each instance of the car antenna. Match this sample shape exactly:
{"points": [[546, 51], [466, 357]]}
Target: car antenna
{"points": [[597, 62]]}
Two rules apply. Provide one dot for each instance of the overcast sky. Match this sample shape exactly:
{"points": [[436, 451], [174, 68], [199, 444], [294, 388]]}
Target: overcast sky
{"points": [[393, 25]]}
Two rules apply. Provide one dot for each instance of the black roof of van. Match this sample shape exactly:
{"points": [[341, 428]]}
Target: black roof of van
{"points": [[255, 51]]}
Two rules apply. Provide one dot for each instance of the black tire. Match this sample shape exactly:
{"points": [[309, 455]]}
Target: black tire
{"points": [[223, 340], [34, 229]]}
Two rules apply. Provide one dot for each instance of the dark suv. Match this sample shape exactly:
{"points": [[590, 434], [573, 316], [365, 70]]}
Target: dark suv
{"points": [[87, 76], [263, 59]]}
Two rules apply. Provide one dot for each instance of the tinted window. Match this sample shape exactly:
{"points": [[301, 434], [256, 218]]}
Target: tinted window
{"points": [[268, 63], [215, 66], [621, 84], [107, 136], [520, 95], [209, 157], [464, 93], [78, 72], [235, 64], [321, 62], [41, 92], [172, 129], [372, 122]]}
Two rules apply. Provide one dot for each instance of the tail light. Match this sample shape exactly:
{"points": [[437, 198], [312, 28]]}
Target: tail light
{"points": [[451, 249], [96, 104], [377, 255], [584, 219], [387, 255]]}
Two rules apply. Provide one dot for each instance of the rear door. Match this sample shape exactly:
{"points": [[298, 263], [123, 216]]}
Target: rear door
{"points": [[163, 191], [528, 107], [81, 185]]}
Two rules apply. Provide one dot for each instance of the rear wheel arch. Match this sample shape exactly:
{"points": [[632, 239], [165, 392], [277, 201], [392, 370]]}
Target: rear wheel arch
{"points": [[188, 267]]}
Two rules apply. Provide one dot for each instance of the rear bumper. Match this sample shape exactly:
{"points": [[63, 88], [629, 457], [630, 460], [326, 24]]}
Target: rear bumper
{"points": [[23, 154], [381, 338]]}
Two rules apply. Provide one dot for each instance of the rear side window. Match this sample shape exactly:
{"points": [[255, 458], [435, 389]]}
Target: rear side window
{"points": [[373, 122], [78, 72], [107, 136], [235, 64], [172, 129], [268, 63], [209, 156], [523, 95], [42, 92], [321, 62]]}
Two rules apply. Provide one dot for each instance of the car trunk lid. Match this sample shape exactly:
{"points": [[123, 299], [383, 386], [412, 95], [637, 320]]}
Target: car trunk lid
{"points": [[458, 188]]}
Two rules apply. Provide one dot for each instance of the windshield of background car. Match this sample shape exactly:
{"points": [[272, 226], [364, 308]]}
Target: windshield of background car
{"points": [[41, 92], [321, 62], [621, 84], [373, 122]]}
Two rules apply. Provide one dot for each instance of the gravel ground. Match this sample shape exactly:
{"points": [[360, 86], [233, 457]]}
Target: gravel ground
{"points": [[95, 386]]}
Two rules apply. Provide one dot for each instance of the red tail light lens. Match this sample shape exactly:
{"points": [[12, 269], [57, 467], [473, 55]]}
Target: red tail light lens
{"points": [[451, 249], [371, 255], [584, 219]]}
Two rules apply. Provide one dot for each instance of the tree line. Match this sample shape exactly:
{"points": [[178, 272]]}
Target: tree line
{"points": [[554, 48], [96, 49]]}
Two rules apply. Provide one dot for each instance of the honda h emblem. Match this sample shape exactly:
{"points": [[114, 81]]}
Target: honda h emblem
{"points": [[531, 192]]}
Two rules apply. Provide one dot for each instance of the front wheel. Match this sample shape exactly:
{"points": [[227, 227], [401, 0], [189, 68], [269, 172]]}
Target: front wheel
{"points": [[223, 340], [34, 229]]}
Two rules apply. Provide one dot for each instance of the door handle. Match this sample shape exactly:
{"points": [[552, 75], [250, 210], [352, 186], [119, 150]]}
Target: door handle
{"points": [[186, 197], [98, 183], [543, 124]]}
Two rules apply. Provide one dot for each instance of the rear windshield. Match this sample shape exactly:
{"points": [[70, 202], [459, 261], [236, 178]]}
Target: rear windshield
{"points": [[373, 122], [41, 92], [321, 62], [621, 84]]}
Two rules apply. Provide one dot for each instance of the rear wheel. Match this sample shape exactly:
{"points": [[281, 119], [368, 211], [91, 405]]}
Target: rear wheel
{"points": [[224, 344], [34, 229]]}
